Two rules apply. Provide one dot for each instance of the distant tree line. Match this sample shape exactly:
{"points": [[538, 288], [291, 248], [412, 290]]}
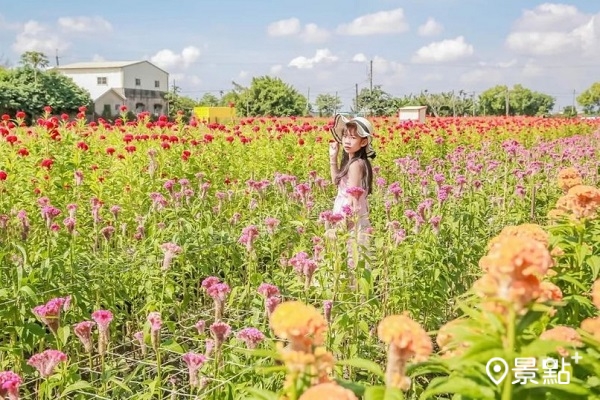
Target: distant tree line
{"points": [[30, 87]]}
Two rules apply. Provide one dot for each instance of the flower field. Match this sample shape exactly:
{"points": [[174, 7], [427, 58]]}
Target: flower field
{"points": [[172, 260]]}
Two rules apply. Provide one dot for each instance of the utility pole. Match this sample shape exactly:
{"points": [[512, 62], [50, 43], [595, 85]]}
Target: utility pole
{"points": [[308, 101], [473, 102], [57, 63], [573, 105]]}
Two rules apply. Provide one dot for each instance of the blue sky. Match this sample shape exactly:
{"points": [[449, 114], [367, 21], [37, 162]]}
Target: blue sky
{"points": [[324, 46]]}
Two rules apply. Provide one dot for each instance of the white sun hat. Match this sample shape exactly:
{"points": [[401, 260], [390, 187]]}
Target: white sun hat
{"points": [[363, 127]]}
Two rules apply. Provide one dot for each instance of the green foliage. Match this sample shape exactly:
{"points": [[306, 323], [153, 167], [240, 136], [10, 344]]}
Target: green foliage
{"points": [[327, 104], [268, 96], [519, 100], [20, 90], [589, 99]]}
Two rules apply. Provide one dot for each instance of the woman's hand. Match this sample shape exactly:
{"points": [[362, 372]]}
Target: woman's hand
{"points": [[334, 148]]}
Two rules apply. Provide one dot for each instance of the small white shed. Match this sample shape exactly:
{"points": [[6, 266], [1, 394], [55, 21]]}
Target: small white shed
{"points": [[412, 113]]}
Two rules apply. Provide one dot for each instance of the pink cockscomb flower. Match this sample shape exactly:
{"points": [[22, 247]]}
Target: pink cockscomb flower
{"points": [[249, 235], [194, 362], [327, 306], [271, 223], [220, 331], [170, 250], [49, 313], [355, 192], [218, 292], [304, 266], [268, 290], [103, 319], [200, 326], [83, 330], [9, 385], [155, 321], [251, 336], [139, 337], [208, 282], [46, 361]]}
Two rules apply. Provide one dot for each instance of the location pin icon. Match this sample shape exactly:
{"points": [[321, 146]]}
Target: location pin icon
{"points": [[496, 369]]}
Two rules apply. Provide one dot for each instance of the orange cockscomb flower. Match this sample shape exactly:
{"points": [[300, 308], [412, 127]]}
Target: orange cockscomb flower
{"points": [[532, 231], [329, 391], [582, 201], [517, 257], [303, 325], [569, 177], [549, 292], [563, 334], [406, 339], [592, 325], [596, 293]]}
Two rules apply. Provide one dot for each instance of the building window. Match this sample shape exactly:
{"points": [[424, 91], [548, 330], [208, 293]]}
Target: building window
{"points": [[138, 82], [139, 107], [117, 107], [102, 80], [157, 109], [106, 111], [156, 84]]}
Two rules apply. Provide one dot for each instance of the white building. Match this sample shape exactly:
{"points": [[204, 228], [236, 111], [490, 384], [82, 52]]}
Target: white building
{"points": [[139, 85], [412, 113]]}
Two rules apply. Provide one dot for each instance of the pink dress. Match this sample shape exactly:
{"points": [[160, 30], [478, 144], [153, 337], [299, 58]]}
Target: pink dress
{"points": [[343, 199]]}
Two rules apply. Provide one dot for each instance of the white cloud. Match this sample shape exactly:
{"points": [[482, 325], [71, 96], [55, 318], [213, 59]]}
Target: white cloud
{"points": [[546, 17], [98, 58], [382, 22], [284, 27], [531, 69], [432, 77], [481, 76], [84, 24], [243, 74], [555, 30], [383, 66], [446, 50], [322, 55], [37, 37], [430, 28], [167, 58], [276, 69], [360, 57], [313, 34]]}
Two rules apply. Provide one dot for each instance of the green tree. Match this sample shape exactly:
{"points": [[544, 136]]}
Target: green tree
{"points": [[18, 91], [268, 96], [377, 102], [208, 100], [500, 100], [178, 103], [327, 104], [569, 111], [589, 99], [35, 60]]}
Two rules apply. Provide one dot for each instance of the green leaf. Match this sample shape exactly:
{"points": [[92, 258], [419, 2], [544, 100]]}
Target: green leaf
{"points": [[76, 387], [262, 394], [63, 334], [361, 363], [457, 385], [383, 393], [173, 346], [120, 384]]}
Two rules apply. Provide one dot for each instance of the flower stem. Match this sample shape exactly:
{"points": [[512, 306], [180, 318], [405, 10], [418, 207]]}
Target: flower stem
{"points": [[510, 349]]}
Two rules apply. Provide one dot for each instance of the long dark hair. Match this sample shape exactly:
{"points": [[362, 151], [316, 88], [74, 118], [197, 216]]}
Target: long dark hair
{"points": [[360, 156]]}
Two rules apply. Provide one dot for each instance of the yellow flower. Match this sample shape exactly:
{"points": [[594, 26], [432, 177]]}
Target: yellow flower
{"points": [[301, 324], [328, 391], [568, 177]]}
